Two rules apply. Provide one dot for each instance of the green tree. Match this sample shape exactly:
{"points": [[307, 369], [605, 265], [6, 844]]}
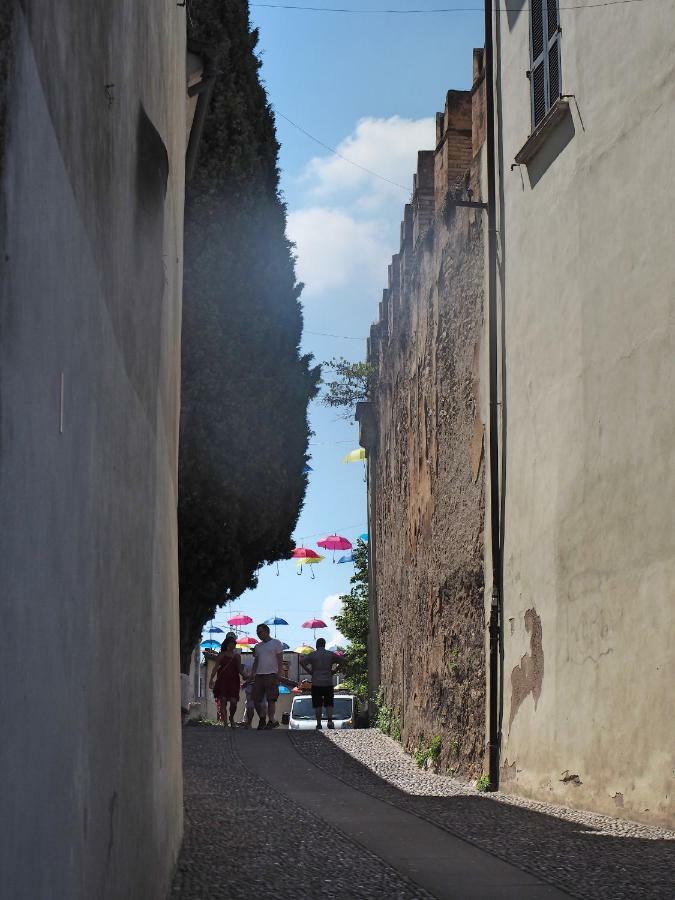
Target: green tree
{"points": [[352, 622], [352, 382], [245, 386]]}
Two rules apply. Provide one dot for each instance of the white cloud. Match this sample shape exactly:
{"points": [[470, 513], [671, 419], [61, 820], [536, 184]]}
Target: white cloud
{"points": [[387, 147], [335, 249], [348, 230]]}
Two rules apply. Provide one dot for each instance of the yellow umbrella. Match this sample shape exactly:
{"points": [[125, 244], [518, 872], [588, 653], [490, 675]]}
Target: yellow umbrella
{"points": [[303, 648], [355, 455], [309, 560]]}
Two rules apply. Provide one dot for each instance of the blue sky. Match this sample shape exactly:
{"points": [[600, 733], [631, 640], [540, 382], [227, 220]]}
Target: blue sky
{"points": [[369, 86]]}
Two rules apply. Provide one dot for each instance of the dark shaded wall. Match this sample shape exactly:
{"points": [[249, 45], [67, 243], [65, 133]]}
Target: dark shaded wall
{"points": [[425, 437], [91, 206]]}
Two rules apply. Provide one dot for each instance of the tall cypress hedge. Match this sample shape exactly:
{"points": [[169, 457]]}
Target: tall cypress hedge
{"points": [[245, 385]]}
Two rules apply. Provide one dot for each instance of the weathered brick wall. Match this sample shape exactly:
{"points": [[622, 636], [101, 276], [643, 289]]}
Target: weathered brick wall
{"points": [[427, 471]]}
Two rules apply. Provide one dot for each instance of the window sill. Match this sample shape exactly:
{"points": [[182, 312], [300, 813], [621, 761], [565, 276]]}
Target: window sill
{"points": [[540, 134]]}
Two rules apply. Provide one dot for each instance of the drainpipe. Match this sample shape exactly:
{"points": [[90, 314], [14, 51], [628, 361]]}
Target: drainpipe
{"points": [[495, 632]]}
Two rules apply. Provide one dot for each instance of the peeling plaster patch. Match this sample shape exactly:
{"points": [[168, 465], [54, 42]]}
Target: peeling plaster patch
{"points": [[512, 623], [527, 678], [569, 778], [508, 772], [618, 799]]}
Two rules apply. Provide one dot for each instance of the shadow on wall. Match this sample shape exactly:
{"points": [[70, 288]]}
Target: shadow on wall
{"points": [[554, 145], [588, 862]]}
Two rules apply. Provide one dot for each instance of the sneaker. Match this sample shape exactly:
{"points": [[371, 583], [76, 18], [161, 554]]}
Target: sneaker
{"points": [[261, 725], [272, 724], [331, 725]]}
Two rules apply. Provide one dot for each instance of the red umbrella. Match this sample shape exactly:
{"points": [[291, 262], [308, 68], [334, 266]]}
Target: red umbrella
{"points": [[304, 553], [240, 619], [334, 542]]}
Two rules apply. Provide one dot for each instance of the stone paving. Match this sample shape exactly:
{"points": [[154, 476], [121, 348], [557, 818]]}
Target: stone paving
{"points": [[224, 855], [587, 855]]}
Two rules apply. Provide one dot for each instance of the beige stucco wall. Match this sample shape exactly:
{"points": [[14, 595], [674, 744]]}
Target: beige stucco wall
{"points": [[588, 262]]}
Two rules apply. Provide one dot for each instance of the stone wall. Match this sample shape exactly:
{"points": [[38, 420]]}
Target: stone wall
{"points": [[91, 206], [424, 435]]}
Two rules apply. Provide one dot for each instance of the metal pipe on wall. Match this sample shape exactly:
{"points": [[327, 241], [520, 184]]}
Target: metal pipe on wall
{"points": [[495, 626]]}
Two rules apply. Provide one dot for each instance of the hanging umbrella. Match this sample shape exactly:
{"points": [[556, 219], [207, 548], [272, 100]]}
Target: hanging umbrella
{"points": [[246, 641], [210, 645], [283, 689], [307, 469], [275, 620], [346, 559], [240, 619], [334, 542], [314, 624], [304, 553], [355, 455], [304, 648], [308, 561], [285, 646], [364, 537], [214, 630]]}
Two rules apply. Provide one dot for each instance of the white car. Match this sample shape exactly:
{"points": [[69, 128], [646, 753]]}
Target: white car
{"points": [[345, 712]]}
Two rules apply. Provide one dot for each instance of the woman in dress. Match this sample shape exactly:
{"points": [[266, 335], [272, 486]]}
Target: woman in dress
{"points": [[225, 681]]}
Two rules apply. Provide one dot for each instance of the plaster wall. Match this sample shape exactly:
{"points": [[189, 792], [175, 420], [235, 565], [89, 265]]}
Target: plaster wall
{"points": [[588, 302], [91, 207]]}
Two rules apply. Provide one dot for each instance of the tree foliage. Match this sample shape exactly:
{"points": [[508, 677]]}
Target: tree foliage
{"points": [[351, 383], [352, 622], [245, 386]]}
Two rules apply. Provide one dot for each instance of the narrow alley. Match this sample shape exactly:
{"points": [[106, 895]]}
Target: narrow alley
{"points": [[279, 814]]}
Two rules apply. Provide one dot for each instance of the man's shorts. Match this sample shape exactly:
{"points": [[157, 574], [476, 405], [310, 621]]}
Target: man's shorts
{"points": [[266, 686], [322, 696]]}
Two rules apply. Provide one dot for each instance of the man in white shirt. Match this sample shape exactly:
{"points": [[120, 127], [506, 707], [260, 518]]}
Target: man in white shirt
{"points": [[267, 670]]}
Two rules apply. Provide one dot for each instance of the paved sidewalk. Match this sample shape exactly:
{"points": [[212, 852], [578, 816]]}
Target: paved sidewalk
{"points": [[590, 856], [323, 837]]}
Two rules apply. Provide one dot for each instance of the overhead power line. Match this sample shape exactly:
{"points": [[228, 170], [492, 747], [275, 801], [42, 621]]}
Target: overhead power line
{"points": [[339, 155], [344, 337], [425, 12]]}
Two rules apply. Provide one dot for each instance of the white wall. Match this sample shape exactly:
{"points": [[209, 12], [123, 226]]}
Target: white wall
{"points": [[586, 253], [90, 282]]}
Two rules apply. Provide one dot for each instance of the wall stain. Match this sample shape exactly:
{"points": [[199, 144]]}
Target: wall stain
{"points": [[568, 777], [527, 678]]}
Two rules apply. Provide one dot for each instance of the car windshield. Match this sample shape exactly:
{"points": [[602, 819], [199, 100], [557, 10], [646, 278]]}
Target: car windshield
{"points": [[302, 708]]}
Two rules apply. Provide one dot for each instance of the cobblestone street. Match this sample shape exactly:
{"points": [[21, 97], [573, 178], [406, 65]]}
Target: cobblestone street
{"points": [[283, 814]]}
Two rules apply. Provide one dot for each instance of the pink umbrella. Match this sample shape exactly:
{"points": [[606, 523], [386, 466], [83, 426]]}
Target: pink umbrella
{"points": [[247, 640], [240, 619], [314, 624], [334, 542]]}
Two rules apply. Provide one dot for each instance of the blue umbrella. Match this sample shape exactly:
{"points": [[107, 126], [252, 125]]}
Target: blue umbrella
{"points": [[210, 645], [214, 630], [285, 646], [347, 558], [283, 689], [307, 469], [275, 620], [364, 537]]}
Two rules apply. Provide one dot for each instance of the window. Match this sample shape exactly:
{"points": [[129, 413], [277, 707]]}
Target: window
{"points": [[545, 82]]}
